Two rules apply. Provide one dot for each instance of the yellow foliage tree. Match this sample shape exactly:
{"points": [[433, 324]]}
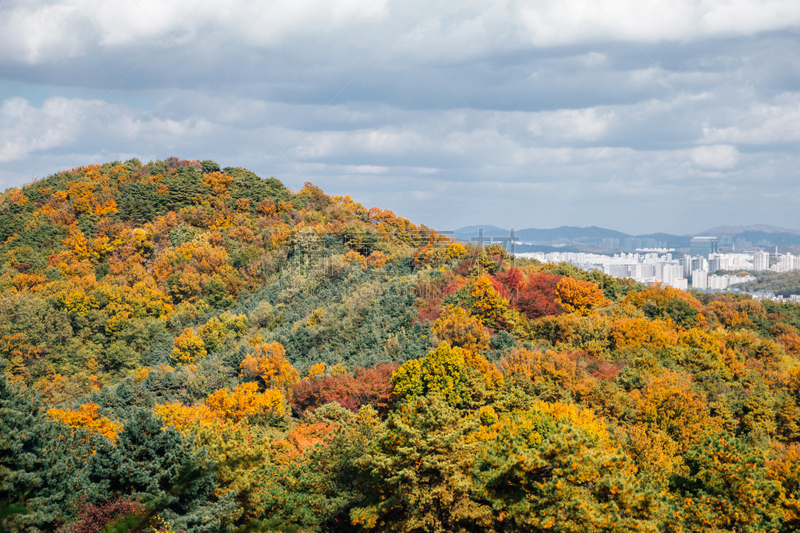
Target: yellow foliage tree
{"points": [[442, 372], [316, 370], [454, 250], [694, 338], [316, 317], [223, 406], [631, 332], [651, 448], [212, 333], [445, 371], [86, 416], [491, 425], [185, 416], [245, 402], [670, 403], [189, 347], [458, 328], [269, 364], [489, 305]]}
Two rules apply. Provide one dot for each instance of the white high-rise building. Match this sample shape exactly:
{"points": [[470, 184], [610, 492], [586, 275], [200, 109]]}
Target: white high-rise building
{"points": [[787, 263], [687, 265], [700, 280], [651, 267], [672, 276], [760, 261]]}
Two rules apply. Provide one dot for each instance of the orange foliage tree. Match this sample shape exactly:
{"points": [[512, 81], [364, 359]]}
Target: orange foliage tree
{"points": [[18, 352], [729, 314], [86, 416], [242, 403], [269, 364], [245, 401], [557, 369], [577, 296], [631, 332], [670, 404]]}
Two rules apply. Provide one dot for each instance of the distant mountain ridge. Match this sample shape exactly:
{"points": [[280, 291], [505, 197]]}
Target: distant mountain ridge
{"points": [[570, 236], [727, 231]]}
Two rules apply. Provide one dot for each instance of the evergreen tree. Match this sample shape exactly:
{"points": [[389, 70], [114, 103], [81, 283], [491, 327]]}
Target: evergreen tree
{"points": [[418, 473], [542, 474], [725, 488]]}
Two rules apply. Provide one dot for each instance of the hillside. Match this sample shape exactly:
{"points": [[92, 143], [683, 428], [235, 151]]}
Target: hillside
{"points": [[781, 284], [200, 349]]}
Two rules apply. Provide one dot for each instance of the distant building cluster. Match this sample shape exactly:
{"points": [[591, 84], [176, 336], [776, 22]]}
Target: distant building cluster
{"points": [[769, 295], [662, 266]]}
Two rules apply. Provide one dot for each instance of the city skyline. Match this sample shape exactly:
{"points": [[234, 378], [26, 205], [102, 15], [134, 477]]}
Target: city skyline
{"points": [[727, 237], [717, 272], [755, 227]]}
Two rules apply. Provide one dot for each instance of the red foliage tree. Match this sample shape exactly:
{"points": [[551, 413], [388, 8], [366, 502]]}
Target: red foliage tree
{"points": [[501, 288], [369, 386], [319, 390], [512, 279], [94, 518], [430, 296], [537, 297]]}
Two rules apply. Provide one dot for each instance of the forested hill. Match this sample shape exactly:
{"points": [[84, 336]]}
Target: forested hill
{"points": [[199, 349]]}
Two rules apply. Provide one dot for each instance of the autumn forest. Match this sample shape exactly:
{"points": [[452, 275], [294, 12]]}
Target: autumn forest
{"points": [[189, 348]]}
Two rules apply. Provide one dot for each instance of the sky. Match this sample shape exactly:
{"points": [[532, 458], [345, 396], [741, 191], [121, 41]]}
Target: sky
{"points": [[640, 116]]}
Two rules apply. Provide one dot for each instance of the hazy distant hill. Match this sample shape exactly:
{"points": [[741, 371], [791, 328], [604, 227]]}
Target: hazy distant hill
{"points": [[466, 233], [570, 234], [729, 231]]}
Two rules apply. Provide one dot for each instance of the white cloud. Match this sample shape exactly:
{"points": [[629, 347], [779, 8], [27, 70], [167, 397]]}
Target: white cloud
{"points": [[41, 31], [62, 123], [774, 122], [565, 22], [25, 129], [572, 124], [35, 34], [717, 157]]}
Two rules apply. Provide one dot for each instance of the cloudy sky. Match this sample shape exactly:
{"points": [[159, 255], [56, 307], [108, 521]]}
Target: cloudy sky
{"points": [[638, 115]]}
